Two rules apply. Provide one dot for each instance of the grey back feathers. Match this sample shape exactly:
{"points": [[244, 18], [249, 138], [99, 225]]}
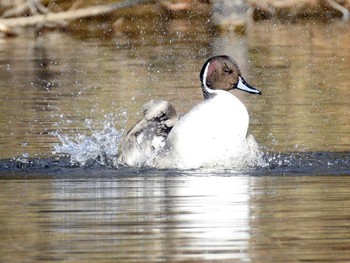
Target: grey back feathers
{"points": [[147, 137]]}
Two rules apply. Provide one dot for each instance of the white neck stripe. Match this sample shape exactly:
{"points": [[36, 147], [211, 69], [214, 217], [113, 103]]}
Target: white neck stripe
{"points": [[207, 89]]}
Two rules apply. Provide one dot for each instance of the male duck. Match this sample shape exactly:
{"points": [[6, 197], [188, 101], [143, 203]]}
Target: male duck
{"points": [[213, 133]]}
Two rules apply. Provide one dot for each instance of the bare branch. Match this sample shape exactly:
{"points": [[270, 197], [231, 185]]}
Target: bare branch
{"points": [[340, 8], [40, 7], [71, 14], [30, 6], [16, 11], [5, 30]]}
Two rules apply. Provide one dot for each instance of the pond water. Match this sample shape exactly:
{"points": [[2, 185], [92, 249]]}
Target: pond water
{"points": [[82, 93]]}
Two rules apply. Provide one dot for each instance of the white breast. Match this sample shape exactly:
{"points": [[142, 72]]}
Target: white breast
{"points": [[210, 132]]}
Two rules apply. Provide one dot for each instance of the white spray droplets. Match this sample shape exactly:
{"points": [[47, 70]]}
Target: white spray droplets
{"points": [[100, 146]]}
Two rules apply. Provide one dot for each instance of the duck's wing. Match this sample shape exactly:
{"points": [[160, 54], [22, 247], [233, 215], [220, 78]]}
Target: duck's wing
{"points": [[146, 138]]}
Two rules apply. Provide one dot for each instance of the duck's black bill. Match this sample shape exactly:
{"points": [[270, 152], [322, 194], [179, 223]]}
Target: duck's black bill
{"points": [[243, 85]]}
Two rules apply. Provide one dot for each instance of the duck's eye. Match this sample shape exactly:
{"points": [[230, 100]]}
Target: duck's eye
{"points": [[228, 70]]}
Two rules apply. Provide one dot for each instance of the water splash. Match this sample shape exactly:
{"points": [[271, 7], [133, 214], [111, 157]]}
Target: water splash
{"points": [[100, 143], [23, 161], [100, 146], [307, 163]]}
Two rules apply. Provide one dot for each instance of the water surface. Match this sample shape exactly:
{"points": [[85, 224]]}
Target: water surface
{"points": [[91, 90]]}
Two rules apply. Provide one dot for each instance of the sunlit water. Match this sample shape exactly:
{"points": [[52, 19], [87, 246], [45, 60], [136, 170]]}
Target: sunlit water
{"points": [[60, 93]]}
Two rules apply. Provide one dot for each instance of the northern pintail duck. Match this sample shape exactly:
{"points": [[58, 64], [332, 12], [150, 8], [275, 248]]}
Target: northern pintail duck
{"points": [[213, 133]]}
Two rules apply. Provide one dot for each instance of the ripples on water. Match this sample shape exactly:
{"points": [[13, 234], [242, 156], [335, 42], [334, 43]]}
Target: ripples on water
{"points": [[54, 211], [306, 163]]}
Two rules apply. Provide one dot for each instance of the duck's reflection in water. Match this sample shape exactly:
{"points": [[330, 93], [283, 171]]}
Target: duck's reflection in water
{"points": [[214, 212], [172, 218]]}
